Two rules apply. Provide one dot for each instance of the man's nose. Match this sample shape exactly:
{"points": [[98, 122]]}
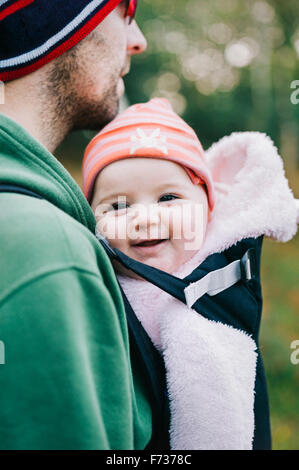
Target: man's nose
{"points": [[136, 42]]}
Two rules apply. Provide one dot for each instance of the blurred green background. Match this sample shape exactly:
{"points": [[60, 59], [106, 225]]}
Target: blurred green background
{"points": [[228, 66]]}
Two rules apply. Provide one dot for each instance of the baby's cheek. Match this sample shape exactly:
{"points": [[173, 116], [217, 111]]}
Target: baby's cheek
{"points": [[188, 224], [196, 225], [171, 221]]}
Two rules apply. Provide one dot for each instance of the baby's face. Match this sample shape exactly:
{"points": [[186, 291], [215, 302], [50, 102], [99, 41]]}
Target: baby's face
{"points": [[149, 209]]}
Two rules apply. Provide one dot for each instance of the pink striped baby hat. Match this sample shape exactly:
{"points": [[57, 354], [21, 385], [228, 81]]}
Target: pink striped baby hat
{"points": [[152, 130]]}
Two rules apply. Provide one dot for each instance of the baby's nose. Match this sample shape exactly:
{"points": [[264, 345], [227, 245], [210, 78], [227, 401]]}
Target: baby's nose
{"points": [[145, 223], [146, 216]]}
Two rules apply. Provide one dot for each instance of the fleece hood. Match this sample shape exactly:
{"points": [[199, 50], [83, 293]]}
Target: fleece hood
{"points": [[25, 162]]}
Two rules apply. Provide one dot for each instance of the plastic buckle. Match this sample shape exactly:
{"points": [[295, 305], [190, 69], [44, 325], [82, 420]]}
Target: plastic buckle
{"points": [[248, 265]]}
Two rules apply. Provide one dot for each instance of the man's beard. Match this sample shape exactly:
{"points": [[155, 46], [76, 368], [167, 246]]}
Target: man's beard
{"points": [[71, 105], [94, 115], [86, 112]]}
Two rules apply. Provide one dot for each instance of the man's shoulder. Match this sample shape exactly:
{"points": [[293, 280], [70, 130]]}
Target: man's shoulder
{"points": [[36, 230]]}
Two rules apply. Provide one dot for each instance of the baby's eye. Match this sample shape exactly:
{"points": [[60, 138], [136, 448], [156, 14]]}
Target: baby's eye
{"points": [[117, 206], [168, 197]]}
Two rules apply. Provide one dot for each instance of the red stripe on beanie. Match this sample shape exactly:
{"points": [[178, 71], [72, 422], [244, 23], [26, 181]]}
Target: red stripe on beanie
{"points": [[15, 7]]}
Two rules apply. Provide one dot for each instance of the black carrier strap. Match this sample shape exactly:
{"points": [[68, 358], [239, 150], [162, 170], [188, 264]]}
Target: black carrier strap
{"points": [[143, 354], [149, 359]]}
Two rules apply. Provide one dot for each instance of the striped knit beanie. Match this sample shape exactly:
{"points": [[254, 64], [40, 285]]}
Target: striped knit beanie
{"points": [[152, 130], [34, 32]]}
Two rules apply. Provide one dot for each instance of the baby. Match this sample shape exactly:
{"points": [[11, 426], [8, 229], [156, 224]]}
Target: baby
{"points": [[150, 187], [162, 201]]}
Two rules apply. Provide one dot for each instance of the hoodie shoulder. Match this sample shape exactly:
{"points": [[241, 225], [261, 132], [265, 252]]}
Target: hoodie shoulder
{"points": [[40, 238]]}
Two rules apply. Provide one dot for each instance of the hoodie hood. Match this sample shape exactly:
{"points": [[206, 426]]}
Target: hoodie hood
{"points": [[25, 162]]}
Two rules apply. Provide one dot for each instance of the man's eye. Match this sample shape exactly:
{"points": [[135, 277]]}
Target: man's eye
{"points": [[117, 206], [167, 197]]}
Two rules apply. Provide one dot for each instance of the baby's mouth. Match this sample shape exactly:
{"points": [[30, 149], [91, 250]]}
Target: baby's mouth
{"points": [[150, 242], [148, 248]]}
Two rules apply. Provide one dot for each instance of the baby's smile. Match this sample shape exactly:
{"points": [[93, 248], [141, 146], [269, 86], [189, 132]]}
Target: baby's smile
{"points": [[148, 247]]}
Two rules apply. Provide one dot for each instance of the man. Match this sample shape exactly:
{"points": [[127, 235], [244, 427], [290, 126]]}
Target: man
{"points": [[67, 380]]}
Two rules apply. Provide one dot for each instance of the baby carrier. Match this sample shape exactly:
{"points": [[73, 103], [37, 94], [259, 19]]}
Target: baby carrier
{"points": [[224, 288]]}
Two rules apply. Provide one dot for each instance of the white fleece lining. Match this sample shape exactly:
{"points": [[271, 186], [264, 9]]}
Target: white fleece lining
{"points": [[210, 376], [211, 366]]}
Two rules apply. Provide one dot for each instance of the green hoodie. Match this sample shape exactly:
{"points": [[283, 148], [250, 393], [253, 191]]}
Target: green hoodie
{"points": [[67, 381]]}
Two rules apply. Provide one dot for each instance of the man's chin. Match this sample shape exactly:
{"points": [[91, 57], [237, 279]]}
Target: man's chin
{"points": [[95, 116]]}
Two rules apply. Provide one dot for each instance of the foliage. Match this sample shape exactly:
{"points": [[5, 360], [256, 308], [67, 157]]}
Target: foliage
{"points": [[225, 66]]}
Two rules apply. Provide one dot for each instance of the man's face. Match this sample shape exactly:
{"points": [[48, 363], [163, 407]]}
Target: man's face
{"points": [[87, 80]]}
